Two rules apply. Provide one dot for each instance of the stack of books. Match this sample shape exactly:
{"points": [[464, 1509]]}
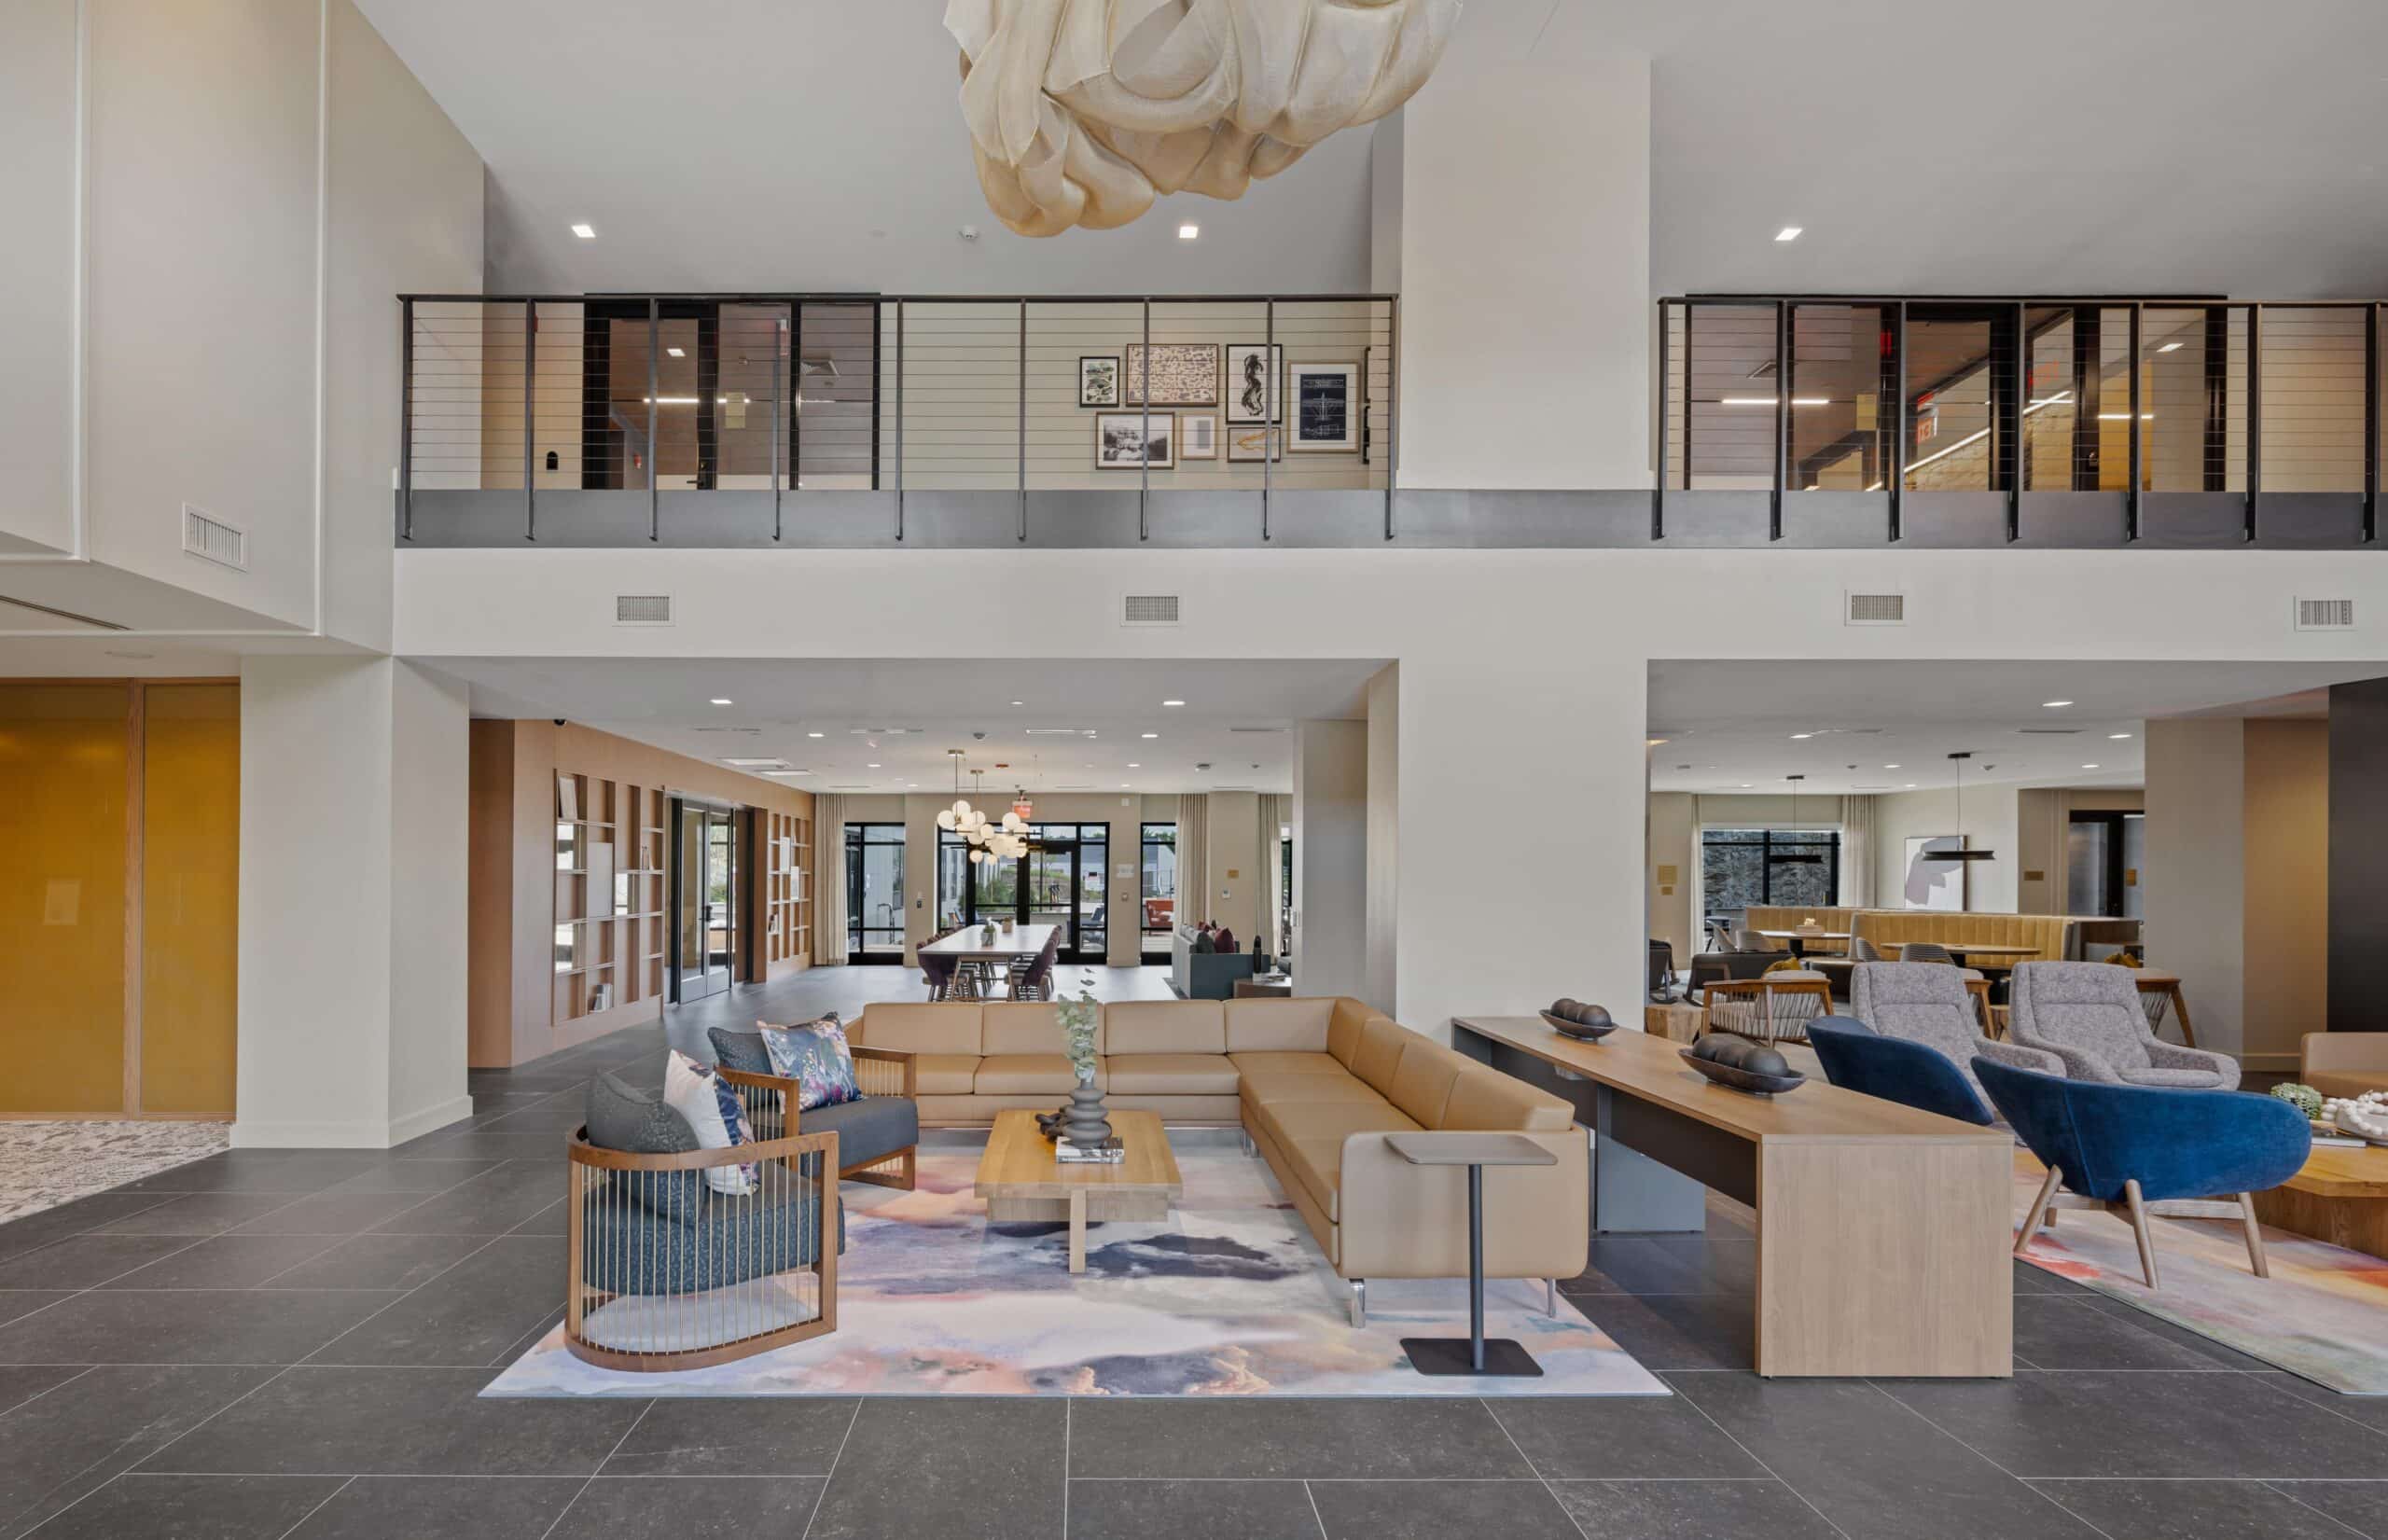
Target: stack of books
{"points": [[1109, 1152]]}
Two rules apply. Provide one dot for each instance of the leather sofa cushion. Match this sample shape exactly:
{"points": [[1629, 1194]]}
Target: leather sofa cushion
{"points": [[1025, 1026], [1487, 1099], [944, 1074], [1171, 1075], [1343, 1028], [1261, 1088], [2348, 1084], [1029, 1074], [1296, 1025], [1287, 1064], [1164, 1026], [1378, 1054], [1311, 1134], [917, 1026], [1422, 1082]]}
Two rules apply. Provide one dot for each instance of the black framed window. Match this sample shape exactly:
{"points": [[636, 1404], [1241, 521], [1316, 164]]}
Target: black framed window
{"points": [[1740, 867], [1060, 882], [874, 893]]}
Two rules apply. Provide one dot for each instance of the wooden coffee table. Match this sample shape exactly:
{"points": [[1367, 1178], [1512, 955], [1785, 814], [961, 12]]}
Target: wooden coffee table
{"points": [[2340, 1196], [1023, 1184]]}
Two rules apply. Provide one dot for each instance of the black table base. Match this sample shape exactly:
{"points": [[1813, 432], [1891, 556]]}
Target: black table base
{"points": [[1503, 1357]]}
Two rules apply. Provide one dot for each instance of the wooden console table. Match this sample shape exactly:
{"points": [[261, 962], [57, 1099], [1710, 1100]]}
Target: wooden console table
{"points": [[1882, 1232]]}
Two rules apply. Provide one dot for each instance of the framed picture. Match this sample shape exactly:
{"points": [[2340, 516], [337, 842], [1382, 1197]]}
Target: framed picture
{"points": [[1327, 408], [1198, 437], [1120, 444], [1254, 372], [1256, 441], [1933, 884], [1098, 380], [1185, 374]]}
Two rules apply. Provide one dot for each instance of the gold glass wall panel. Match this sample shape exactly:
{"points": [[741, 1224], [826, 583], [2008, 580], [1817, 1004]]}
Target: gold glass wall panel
{"points": [[191, 847], [62, 808]]}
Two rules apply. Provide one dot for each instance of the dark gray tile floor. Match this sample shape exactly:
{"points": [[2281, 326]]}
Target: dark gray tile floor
{"points": [[290, 1343]]}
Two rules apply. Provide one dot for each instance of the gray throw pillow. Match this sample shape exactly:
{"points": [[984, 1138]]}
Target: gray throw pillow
{"points": [[743, 1051], [622, 1118]]}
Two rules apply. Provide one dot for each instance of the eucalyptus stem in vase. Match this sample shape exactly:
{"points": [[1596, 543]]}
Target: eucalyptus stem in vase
{"points": [[1085, 1124]]}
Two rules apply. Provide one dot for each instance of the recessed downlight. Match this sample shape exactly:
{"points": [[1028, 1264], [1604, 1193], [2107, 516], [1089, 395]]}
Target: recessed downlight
{"points": [[814, 735], [2118, 736], [1187, 232], [1890, 767], [2089, 766], [2056, 705], [677, 353], [1788, 232], [1019, 702], [1803, 735], [723, 700], [873, 765], [2169, 347], [1173, 702], [1152, 735], [587, 232]]}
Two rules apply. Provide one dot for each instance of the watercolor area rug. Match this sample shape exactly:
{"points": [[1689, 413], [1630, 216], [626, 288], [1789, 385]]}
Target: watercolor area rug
{"points": [[1229, 1296], [2322, 1314], [44, 1164]]}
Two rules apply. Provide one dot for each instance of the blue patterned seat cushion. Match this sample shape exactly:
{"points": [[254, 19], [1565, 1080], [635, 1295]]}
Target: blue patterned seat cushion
{"points": [[869, 1129], [631, 1249], [814, 1055]]}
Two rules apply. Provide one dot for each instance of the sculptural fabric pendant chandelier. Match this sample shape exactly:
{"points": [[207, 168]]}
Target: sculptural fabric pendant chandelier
{"points": [[989, 840], [1082, 111]]}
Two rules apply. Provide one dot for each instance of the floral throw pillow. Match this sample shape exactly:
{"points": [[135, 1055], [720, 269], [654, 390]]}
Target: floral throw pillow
{"points": [[814, 1055]]}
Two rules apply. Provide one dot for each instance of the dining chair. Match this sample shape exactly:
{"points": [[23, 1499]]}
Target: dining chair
{"points": [[938, 969]]}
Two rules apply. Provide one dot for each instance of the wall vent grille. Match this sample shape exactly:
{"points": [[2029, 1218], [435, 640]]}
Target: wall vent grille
{"points": [[211, 540], [642, 609], [1148, 609], [1875, 609], [2326, 615]]}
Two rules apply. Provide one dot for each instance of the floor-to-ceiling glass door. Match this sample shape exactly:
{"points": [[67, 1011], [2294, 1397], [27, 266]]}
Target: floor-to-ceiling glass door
{"points": [[704, 900], [874, 893], [1060, 882]]}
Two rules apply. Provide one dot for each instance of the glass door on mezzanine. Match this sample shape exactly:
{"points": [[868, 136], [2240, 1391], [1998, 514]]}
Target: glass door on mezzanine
{"points": [[1060, 882]]}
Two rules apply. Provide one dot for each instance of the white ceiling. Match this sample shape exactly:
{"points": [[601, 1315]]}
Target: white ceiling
{"points": [[1728, 726], [778, 705], [2037, 146]]}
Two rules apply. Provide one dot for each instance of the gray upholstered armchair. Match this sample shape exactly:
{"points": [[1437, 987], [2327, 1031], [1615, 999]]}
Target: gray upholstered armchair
{"points": [[2089, 1015], [1928, 1002]]}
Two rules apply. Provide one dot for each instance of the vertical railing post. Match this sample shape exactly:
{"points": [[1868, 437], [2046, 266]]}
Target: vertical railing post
{"points": [[406, 419], [2131, 503], [1659, 457], [2019, 400], [2255, 414], [530, 373], [1269, 432], [2371, 405], [1145, 456], [1782, 419], [1023, 418], [899, 419], [1895, 482], [1393, 405], [775, 430], [654, 418]]}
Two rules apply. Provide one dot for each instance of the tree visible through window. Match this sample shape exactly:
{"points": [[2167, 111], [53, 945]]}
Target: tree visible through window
{"points": [[1787, 866]]}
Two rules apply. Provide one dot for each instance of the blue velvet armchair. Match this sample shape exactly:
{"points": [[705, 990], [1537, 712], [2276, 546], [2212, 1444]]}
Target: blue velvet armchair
{"points": [[2141, 1150], [1917, 1074]]}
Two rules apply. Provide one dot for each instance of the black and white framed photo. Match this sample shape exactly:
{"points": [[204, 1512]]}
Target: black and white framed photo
{"points": [[1327, 408], [1197, 435], [1185, 374], [1099, 380], [1255, 373], [1121, 441], [1254, 442]]}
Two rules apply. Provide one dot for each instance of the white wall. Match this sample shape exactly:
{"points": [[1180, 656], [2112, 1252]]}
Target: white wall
{"points": [[1330, 896], [2196, 875], [352, 876], [1674, 841], [1525, 271], [1234, 878], [1384, 835], [1990, 823], [38, 274]]}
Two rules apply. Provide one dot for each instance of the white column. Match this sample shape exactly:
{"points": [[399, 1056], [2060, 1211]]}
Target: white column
{"points": [[1525, 276], [353, 883], [1384, 835], [1330, 896]]}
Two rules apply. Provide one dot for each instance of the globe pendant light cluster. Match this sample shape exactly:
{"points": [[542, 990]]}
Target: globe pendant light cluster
{"points": [[989, 840]]}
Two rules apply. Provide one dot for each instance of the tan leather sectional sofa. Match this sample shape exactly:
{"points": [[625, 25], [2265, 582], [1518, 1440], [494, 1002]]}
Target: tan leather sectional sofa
{"points": [[1315, 1084]]}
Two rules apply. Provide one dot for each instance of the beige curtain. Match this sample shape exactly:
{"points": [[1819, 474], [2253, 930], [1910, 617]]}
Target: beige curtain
{"points": [[1857, 852], [1193, 870], [1276, 813], [829, 879]]}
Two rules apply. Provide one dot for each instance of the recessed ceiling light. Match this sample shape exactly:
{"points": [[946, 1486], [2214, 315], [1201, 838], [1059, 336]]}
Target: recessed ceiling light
{"points": [[2118, 735], [756, 764], [2054, 705], [587, 232], [1187, 232], [1019, 702], [873, 765], [1788, 232], [1910, 785], [813, 735], [1745, 785], [1803, 735], [1890, 767], [1123, 785], [677, 352], [2168, 347], [1652, 742], [1152, 735], [723, 700], [2089, 766], [1133, 765], [1173, 702]]}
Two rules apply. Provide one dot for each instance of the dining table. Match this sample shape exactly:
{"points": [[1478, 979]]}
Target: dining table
{"points": [[965, 946], [1799, 938]]}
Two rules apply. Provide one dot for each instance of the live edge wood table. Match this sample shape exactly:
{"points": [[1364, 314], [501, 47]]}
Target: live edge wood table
{"points": [[2340, 1196], [1882, 1232], [1023, 1184]]}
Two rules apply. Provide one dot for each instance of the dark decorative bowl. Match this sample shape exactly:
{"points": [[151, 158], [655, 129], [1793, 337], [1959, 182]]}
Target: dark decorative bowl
{"points": [[1580, 1030], [1741, 1080]]}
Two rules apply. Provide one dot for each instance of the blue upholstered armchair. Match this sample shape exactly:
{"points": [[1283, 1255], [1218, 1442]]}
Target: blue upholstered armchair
{"points": [[2141, 1150], [2089, 1015], [878, 1133], [1895, 1069], [1928, 1002]]}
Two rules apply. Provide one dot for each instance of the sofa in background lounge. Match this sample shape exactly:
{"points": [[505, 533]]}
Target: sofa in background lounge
{"points": [[1203, 975], [1314, 1083], [2344, 1063]]}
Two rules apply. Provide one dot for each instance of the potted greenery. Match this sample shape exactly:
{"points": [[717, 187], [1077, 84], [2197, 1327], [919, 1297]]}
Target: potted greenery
{"points": [[1085, 1126]]}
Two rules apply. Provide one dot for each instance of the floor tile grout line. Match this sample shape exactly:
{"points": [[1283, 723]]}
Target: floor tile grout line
{"points": [[1069, 1414], [822, 1497], [377, 1231], [36, 1396], [1564, 1512], [1918, 1414], [317, 1508], [209, 1418], [1760, 1463], [1316, 1518], [563, 1512], [403, 1297], [2265, 1380], [2273, 1486]]}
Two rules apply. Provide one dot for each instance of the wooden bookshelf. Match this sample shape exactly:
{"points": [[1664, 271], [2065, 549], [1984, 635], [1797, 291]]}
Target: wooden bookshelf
{"points": [[787, 890]]}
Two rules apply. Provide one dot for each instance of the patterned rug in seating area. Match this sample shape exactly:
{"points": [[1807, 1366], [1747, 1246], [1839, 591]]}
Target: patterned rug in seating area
{"points": [[2321, 1315], [1229, 1296]]}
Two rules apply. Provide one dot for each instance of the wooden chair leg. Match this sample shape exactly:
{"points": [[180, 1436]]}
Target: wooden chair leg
{"points": [[2040, 1205], [2140, 1231], [2254, 1235]]}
